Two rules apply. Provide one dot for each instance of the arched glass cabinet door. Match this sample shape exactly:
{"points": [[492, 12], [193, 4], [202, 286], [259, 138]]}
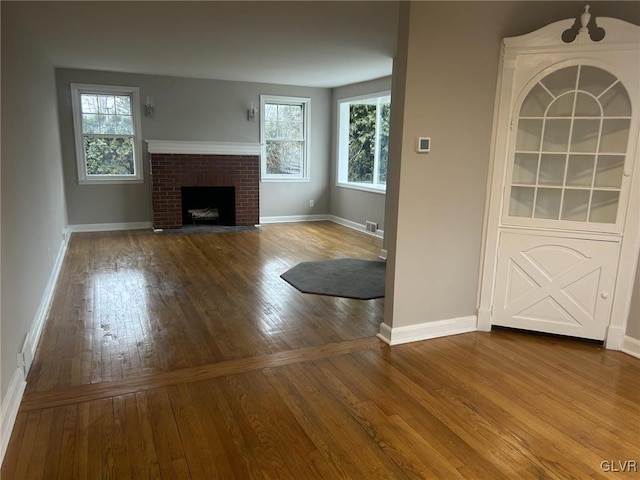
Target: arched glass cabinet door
{"points": [[568, 157]]}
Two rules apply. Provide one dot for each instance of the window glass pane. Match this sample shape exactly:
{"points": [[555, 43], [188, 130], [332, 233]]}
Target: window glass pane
{"points": [[525, 168], [548, 203], [594, 80], [574, 205], [124, 126], [521, 202], [615, 133], [584, 137], [552, 169], [284, 158], [562, 106], [89, 103], [561, 81], [609, 171], [106, 104], [580, 170], [604, 206], [109, 156], [290, 130], [362, 130], [529, 135], [556, 135], [270, 112], [587, 106], [536, 102], [123, 105], [383, 142], [271, 128], [615, 102]]}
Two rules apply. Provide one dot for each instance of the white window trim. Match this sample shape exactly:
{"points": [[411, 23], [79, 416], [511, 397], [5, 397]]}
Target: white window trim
{"points": [[83, 178], [342, 149], [305, 174]]}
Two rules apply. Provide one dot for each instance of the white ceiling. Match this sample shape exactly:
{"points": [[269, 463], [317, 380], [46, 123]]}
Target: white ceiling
{"points": [[317, 44]]}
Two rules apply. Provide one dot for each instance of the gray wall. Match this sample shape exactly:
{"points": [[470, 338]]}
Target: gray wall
{"points": [[633, 325], [198, 110], [33, 205], [450, 71], [355, 205]]}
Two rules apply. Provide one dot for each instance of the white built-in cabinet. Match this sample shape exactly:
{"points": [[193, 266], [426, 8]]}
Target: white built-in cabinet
{"points": [[563, 214]]}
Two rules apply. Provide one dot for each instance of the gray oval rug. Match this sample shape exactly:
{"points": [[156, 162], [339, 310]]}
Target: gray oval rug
{"points": [[343, 277]]}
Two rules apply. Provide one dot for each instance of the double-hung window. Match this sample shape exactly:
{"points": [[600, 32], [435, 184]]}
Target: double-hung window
{"points": [[107, 133], [363, 141], [284, 133]]}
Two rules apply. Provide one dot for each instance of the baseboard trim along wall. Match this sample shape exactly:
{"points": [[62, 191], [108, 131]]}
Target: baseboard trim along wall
{"points": [[11, 401], [427, 330], [631, 346], [294, 219], [9, 410], [109, 227]]}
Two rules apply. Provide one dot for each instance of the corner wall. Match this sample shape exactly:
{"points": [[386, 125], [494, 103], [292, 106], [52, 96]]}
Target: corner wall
{"points": [[33, 204]]}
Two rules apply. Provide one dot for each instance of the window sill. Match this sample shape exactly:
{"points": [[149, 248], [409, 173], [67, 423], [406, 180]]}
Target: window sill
{"points": [[285, 180], [363, 188], [110, 181]]}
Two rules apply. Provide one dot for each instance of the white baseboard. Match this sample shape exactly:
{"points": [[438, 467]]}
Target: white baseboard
{"points": [[107, 227], [383, 254], [9, 409], [11, 401], [294, 219], [427, 330], [355, 226], [28, 350], [631, 346], [615, 336]]}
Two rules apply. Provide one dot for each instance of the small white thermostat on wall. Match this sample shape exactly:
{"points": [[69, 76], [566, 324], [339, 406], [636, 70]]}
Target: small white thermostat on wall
{"points": [[423, 144]]}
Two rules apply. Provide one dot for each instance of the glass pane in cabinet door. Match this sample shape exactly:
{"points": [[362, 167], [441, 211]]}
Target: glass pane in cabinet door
{"points": [[609, 171], [561, 81], [548, 203], [584, 137], [587, 106], [521, 202], [556, 135], [615, 102], [529, 135], [594, 80], [525, 168], [580, 170], [615, 133], [552, 169], [604, 206], [536, 102], [562, 106], [575, 205]]}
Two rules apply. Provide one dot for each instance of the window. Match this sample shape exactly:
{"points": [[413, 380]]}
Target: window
{"points": [[363, 141], [107, 132], [284, 130]]}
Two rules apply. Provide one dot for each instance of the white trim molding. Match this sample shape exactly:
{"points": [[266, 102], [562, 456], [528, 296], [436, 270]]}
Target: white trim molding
{"points": [[110, 227], [18, 383], [427, 330], [294, 219], [202, 148], [355, 226], [9, 410], [631, 346]]}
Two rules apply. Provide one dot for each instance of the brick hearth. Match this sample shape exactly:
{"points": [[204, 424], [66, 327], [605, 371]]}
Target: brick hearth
{"points": [[170, 172]]}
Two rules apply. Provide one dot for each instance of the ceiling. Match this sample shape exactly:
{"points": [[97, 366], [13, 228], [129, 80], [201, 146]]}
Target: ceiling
{"points": [[316, 44]]}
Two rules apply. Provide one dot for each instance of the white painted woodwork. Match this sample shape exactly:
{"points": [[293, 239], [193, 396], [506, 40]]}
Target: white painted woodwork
{"points": [[562, 230], [202, 148]]}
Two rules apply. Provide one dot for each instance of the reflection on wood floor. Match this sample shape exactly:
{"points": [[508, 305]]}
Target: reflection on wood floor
{"points": [[181, 357]]}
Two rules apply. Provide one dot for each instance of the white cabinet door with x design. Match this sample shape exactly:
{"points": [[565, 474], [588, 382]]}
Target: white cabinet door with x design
{"points": [[554, 284]]}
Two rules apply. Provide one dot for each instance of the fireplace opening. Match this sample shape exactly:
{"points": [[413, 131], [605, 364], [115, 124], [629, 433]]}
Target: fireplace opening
{"points": [[208, 205]]}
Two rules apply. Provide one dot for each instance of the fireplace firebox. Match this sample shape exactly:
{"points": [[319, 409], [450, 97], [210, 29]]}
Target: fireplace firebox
{"points": [[209, 205]]}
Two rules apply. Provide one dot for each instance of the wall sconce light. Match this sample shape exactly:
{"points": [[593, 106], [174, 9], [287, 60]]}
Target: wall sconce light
{"points": [[251, 112], [149, 107]]}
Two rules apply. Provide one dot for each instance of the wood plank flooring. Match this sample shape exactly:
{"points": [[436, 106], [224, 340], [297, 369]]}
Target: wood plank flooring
{"points": [[186, 357]]}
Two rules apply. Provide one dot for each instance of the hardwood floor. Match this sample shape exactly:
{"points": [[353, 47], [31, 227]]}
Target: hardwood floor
{"points": [[181, 357]]}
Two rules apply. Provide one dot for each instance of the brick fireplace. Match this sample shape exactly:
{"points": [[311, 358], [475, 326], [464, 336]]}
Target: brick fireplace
{"points": [[203, 164]]}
